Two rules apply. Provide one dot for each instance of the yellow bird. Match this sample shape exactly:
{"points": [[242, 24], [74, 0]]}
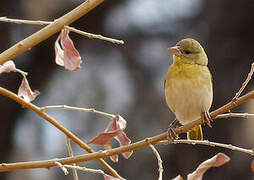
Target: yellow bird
{"points": [[188, 85]]}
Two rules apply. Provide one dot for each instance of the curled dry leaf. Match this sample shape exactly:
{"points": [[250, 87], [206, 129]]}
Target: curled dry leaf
{"points": [[113, 158], [8, 66], [66, 54], [216, 161], [25, 91], [104, 138], [118, 125]]}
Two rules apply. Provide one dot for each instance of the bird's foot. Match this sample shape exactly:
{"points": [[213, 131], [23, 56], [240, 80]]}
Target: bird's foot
{"points": [[172, 135], [206, 118]]}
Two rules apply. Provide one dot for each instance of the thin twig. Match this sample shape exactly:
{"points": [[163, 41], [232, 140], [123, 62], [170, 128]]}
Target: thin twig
{"points": [[104, 154], [65, 171], [157, 154], [240, 115], [74, 171], [97, 36], [36, 22], [59, 126], [91, 110], [41, 35], [21, 72], [245, 82], [208, 143]]}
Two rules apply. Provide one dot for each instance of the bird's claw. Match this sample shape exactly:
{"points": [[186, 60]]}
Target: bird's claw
{"points": [[171, 131], [207, 118], [172, 135]]}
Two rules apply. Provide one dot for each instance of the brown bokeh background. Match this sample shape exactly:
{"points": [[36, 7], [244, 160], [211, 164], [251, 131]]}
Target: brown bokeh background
{"points": [[127, 79]]}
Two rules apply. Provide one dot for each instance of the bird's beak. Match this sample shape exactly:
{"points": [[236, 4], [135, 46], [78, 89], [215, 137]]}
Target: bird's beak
{"points": [[175, 50]]}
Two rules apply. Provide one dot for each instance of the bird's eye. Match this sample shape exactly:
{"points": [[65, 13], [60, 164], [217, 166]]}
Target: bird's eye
{"points": [[187, 52]]}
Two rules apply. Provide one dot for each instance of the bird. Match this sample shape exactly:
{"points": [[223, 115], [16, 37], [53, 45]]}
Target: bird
{"points": [[188, 85]]}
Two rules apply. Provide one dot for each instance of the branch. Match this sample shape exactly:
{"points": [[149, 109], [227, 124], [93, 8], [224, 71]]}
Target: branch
{"points": [[104, 154], [240, 115], [245, 82], [48, 31], [36, 22], [74, 171], [59, 126], [208, 143], [91, 110], [157, 154]]}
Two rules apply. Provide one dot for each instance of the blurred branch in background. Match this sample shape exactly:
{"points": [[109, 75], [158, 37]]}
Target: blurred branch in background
{"points": [[48, 31], [38, 22]]}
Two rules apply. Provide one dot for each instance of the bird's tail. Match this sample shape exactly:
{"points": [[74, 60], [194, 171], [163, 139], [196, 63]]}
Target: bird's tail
{"points": [[195, 133]]}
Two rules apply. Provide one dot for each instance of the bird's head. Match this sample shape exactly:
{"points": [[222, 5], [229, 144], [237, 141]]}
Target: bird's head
{"points": [[189, 51]]}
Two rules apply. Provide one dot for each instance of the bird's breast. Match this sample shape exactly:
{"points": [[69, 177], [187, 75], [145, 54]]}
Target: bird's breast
{"points": [[188, 91]]}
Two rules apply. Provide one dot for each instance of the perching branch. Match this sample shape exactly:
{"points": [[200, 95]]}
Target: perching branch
{"points": [[38, 22], [59, 126], [208, 143], [48, 31], [104, 154]]}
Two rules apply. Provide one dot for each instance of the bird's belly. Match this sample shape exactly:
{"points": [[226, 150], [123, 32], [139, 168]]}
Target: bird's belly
{"points": [[188, 100]]}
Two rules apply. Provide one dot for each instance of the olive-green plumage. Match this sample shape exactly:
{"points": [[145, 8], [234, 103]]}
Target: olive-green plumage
{"points": [[188, 84]]}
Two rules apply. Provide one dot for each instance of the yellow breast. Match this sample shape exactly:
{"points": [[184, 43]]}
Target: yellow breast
{"points": [[188, 91]]}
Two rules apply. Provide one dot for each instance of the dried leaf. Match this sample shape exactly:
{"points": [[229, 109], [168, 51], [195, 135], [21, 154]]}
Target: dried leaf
{"points": [[66, 54], [105, 137], [124, 140], [113, 158], [216, 161], [120, 123], [25, 91], [8, 66], [108, 177]]}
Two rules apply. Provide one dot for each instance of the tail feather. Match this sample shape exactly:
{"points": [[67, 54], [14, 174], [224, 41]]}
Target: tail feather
{"points": [[195, 133]]}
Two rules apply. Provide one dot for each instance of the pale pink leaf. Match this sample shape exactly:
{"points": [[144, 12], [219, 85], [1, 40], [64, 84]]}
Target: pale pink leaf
{"points": [[113, 158], [25, 91], [179, 177], [120, 123], [124, 140], [8, 66], [216, 161], [66, 54], [103, 138], [108, 177]]}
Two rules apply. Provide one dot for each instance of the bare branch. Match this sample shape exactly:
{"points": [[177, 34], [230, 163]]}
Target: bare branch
{"points": [[91, 110], [156, 153], [240, 115], [245, 82], [74, 171], [97, 36], [208, 143], [59, 126], [36, 22], [48, 31], [65, 171]]}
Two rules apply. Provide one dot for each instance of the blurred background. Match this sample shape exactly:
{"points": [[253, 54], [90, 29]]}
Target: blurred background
{"points": [[128, 80]]}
